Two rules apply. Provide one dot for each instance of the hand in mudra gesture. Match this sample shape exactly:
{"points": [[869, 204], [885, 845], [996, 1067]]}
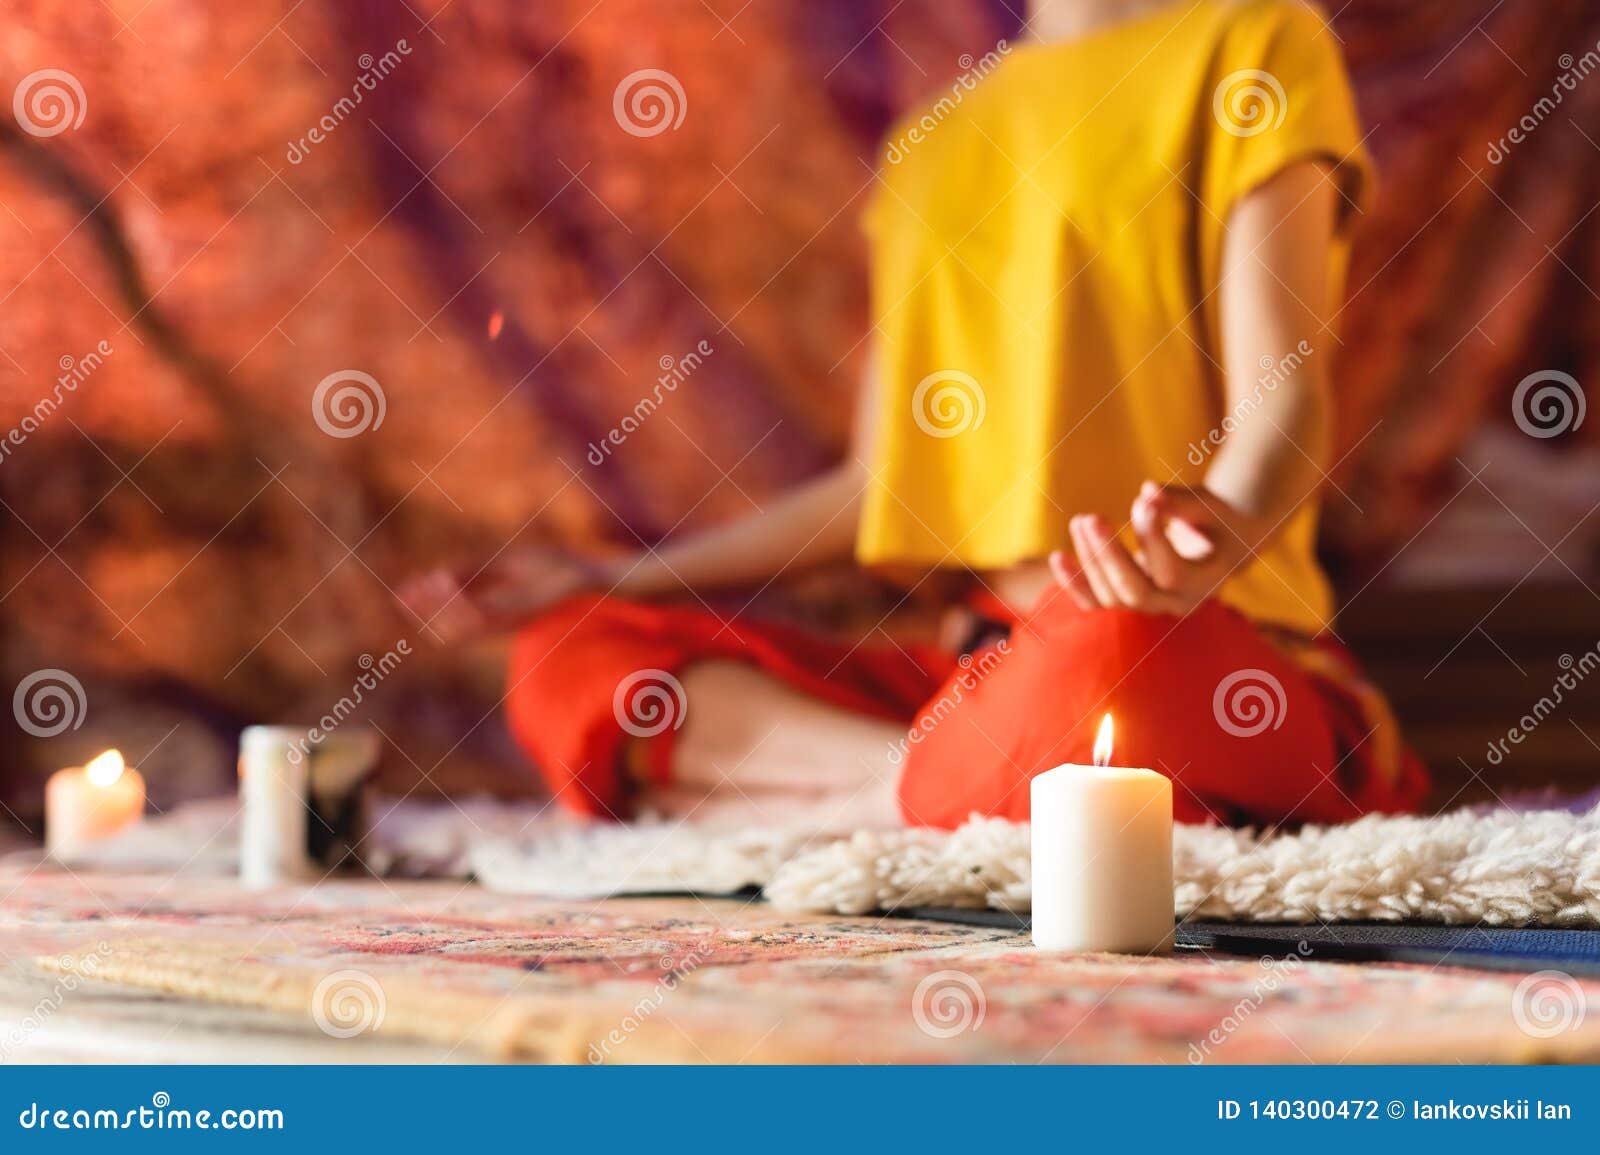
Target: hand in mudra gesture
{"points": [[1190, 542], [512, 587]]}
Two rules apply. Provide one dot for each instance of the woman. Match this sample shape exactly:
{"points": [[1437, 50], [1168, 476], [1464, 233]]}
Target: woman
{"points": [[1102, 287]]}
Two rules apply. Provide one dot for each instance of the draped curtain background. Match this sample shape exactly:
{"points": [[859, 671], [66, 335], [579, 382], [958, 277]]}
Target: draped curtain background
{"points": [[480, 236]]}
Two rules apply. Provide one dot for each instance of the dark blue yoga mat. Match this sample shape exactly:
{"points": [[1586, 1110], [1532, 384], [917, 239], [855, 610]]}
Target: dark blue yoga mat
{"points": [[1577, 952]]}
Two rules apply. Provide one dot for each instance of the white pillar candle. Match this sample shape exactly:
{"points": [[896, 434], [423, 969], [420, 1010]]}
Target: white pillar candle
{"points": [[84, 804], [273, 810], [1102, 856]]}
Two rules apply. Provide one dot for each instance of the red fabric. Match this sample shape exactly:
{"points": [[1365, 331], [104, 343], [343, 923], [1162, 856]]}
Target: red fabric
{"points": [[567, 665], [1064, 668], [983, 726]]}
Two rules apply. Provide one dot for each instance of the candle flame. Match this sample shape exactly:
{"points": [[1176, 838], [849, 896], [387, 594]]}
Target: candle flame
{"points": [[497, 321], [105, 769], [1102, 743]]}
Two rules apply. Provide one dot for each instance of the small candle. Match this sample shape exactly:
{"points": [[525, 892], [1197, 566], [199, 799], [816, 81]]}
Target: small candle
{"points": [[84, 804], [1102, 856], [273, 777]]}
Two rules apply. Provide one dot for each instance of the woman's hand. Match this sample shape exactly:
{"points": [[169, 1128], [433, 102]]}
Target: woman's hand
{"points": [[1273, 297], [510, 589], [1190, 542]]}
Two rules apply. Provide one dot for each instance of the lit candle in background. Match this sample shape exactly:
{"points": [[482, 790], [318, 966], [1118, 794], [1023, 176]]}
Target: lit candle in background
{"points": [[84, 804], [1102, 856]]}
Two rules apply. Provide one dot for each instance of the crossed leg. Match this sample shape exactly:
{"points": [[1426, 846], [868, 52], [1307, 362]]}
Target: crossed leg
{"points": [[770, 725], [754, 751], [743, 723]]}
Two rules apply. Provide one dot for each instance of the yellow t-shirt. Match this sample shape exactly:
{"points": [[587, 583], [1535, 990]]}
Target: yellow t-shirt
{"points": [[1046, 244]]}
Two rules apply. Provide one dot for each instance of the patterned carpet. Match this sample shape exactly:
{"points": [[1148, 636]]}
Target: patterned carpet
{"points": [[680, 979]]}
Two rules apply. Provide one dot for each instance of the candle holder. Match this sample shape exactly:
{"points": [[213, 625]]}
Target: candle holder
{"points": [[303, 798]]}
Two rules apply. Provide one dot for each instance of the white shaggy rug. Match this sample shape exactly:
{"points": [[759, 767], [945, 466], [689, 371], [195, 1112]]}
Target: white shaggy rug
{"points": [[1501, 869], [1498, 868]]}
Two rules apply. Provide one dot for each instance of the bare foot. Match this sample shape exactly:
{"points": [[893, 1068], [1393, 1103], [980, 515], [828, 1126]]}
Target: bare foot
{"points": [[754, 751]]}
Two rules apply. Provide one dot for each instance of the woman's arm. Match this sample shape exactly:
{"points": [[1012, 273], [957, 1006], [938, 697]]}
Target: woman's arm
{"points": [[813, 523], [1273, 296], [1274, 303]]}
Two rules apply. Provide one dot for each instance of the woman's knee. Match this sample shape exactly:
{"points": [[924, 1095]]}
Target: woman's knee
{"points": [[1205, 699], [568, 668], [555, 627]]}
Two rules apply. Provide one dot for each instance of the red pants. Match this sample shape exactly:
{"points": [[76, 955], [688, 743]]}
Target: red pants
{"points": [[1249, 730]]}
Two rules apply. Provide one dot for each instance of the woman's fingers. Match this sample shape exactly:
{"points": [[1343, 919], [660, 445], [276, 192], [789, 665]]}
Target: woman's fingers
{"points": [[441, 606], [1130, 584], [457, 619], [1108, 574], [1089, 562], [422, 594], [1161, 560], [1188, 519], [1071, 579]]}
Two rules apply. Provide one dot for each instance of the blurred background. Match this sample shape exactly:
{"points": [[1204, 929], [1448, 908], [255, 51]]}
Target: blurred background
{"points": [[225, 207]]}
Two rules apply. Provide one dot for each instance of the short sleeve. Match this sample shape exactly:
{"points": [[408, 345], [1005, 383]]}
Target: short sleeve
{"points": [[1280, 95]]}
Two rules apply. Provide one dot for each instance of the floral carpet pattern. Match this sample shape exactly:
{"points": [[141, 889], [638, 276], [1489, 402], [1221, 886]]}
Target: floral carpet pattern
{"points": [[684, 979]]}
